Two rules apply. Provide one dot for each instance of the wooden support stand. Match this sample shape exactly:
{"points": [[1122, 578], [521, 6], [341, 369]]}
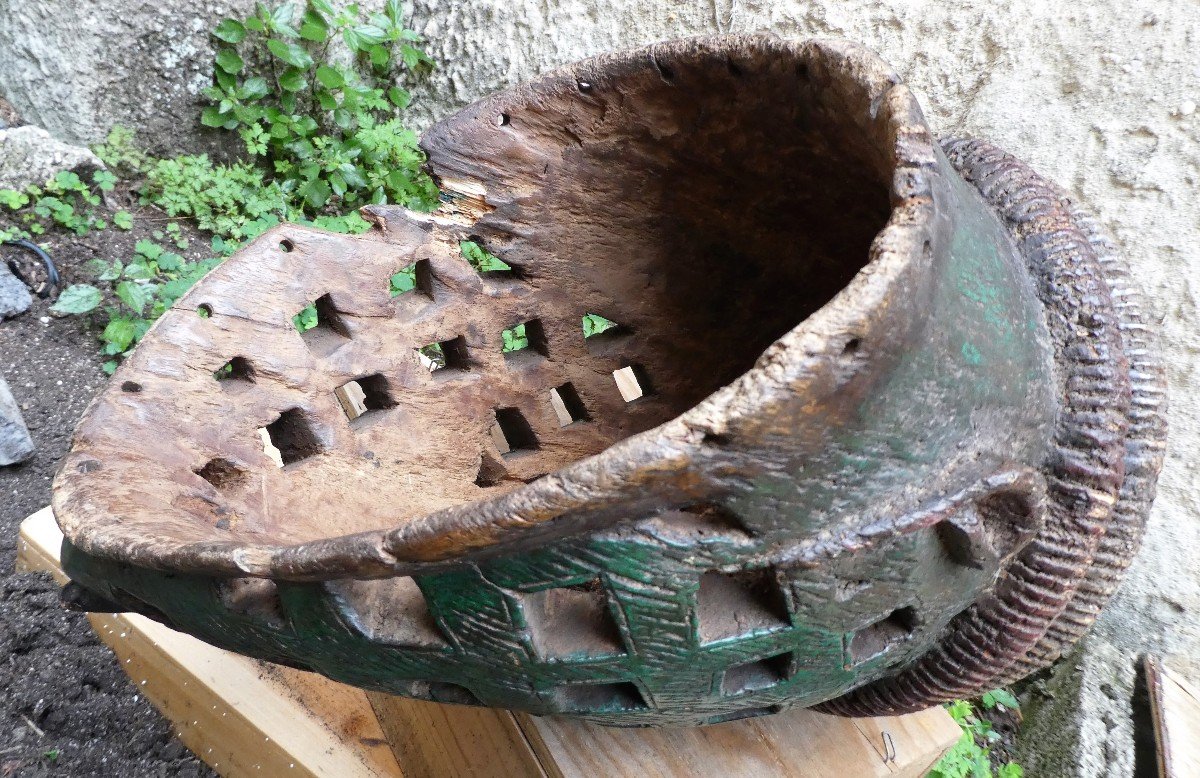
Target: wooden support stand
{"points": [[245, 717]]}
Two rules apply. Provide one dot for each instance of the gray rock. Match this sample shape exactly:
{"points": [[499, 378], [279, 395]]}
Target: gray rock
{"points": [[79, 68], [15, 443], [14, 296], [28, 155]]}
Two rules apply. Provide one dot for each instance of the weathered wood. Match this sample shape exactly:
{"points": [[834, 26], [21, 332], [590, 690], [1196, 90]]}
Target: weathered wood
{"points": [[843, 448], [251, 718], [1174, 685]]}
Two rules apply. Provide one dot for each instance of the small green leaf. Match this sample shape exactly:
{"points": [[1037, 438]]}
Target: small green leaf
{"points": [[13, 199], [212, 117], [594, 324], [123, 220], [330, 78], [77, 299], [369, 34], [1001, 698], [380, 56], [111, 272], [134, 295], [170, 262], [104, 180], [109, 367], [230, 31], [399, 97], [290, 53], [307, 318], [148, 249], [120, 334], [311, 31], [404, 281], [229, 61], [139, 270], [293, 80], [254, 88]]}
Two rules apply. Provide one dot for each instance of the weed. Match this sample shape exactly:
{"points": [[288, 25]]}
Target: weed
{"points": [[971, 755], [321, 137]]}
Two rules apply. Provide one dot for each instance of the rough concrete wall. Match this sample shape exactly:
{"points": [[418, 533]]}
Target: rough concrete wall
{"points": [[1099, 96], [77, 67]]}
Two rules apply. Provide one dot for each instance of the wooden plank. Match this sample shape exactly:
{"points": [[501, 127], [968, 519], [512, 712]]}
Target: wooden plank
{"points": [[796, 743], [437, 740], [240, 716], [246, 717], [1175, 705]]}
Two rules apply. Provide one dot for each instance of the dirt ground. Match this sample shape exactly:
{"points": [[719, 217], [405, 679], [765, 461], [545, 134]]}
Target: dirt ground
{"points": [[66, 707]]}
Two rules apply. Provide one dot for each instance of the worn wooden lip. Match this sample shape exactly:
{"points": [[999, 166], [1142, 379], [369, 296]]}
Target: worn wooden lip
{"points": [[574, 499]]}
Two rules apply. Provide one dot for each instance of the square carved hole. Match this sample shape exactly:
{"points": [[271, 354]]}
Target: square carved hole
{"points": [[361, 397], [389, 610], [445, 692], [255, 598], [511, 433], [290, 438], [483, 261], [223, 474], [448, 355], [601, 697], [731, 605], [322, 326], [524, 340], [632, 383], [597, 326], [756, 675], [874, 639], [567, 405], [416, 278], [491, 472], [237, 371], [572, 622]]}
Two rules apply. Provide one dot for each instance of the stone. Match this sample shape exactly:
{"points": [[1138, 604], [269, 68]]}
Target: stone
{"points": [[15, 298], [29, 155], [15, 444], [77, 69]]}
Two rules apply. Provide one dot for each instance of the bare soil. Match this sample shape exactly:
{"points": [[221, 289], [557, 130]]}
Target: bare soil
{"points": [[66, 707]]}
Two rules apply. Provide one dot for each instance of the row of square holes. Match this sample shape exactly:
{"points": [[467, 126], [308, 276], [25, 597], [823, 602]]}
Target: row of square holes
{"points": [[575, 621], [289, 439]]}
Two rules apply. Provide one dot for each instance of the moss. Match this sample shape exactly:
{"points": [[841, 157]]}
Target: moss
{"points": [[1049, 736]]}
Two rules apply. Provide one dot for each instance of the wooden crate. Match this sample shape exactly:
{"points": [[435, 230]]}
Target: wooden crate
{"points": [[245, 717]]}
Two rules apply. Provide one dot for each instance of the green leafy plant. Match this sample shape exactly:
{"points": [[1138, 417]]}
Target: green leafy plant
{"points": [[322, 136], [66, 201], [594, 324], [514, 339], [403, 281], [307, 319], [971, 755], [327, 130], [480, 259]]}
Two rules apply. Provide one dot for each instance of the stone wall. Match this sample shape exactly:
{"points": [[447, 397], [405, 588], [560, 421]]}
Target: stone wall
{"points": [[1098, 95]]}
